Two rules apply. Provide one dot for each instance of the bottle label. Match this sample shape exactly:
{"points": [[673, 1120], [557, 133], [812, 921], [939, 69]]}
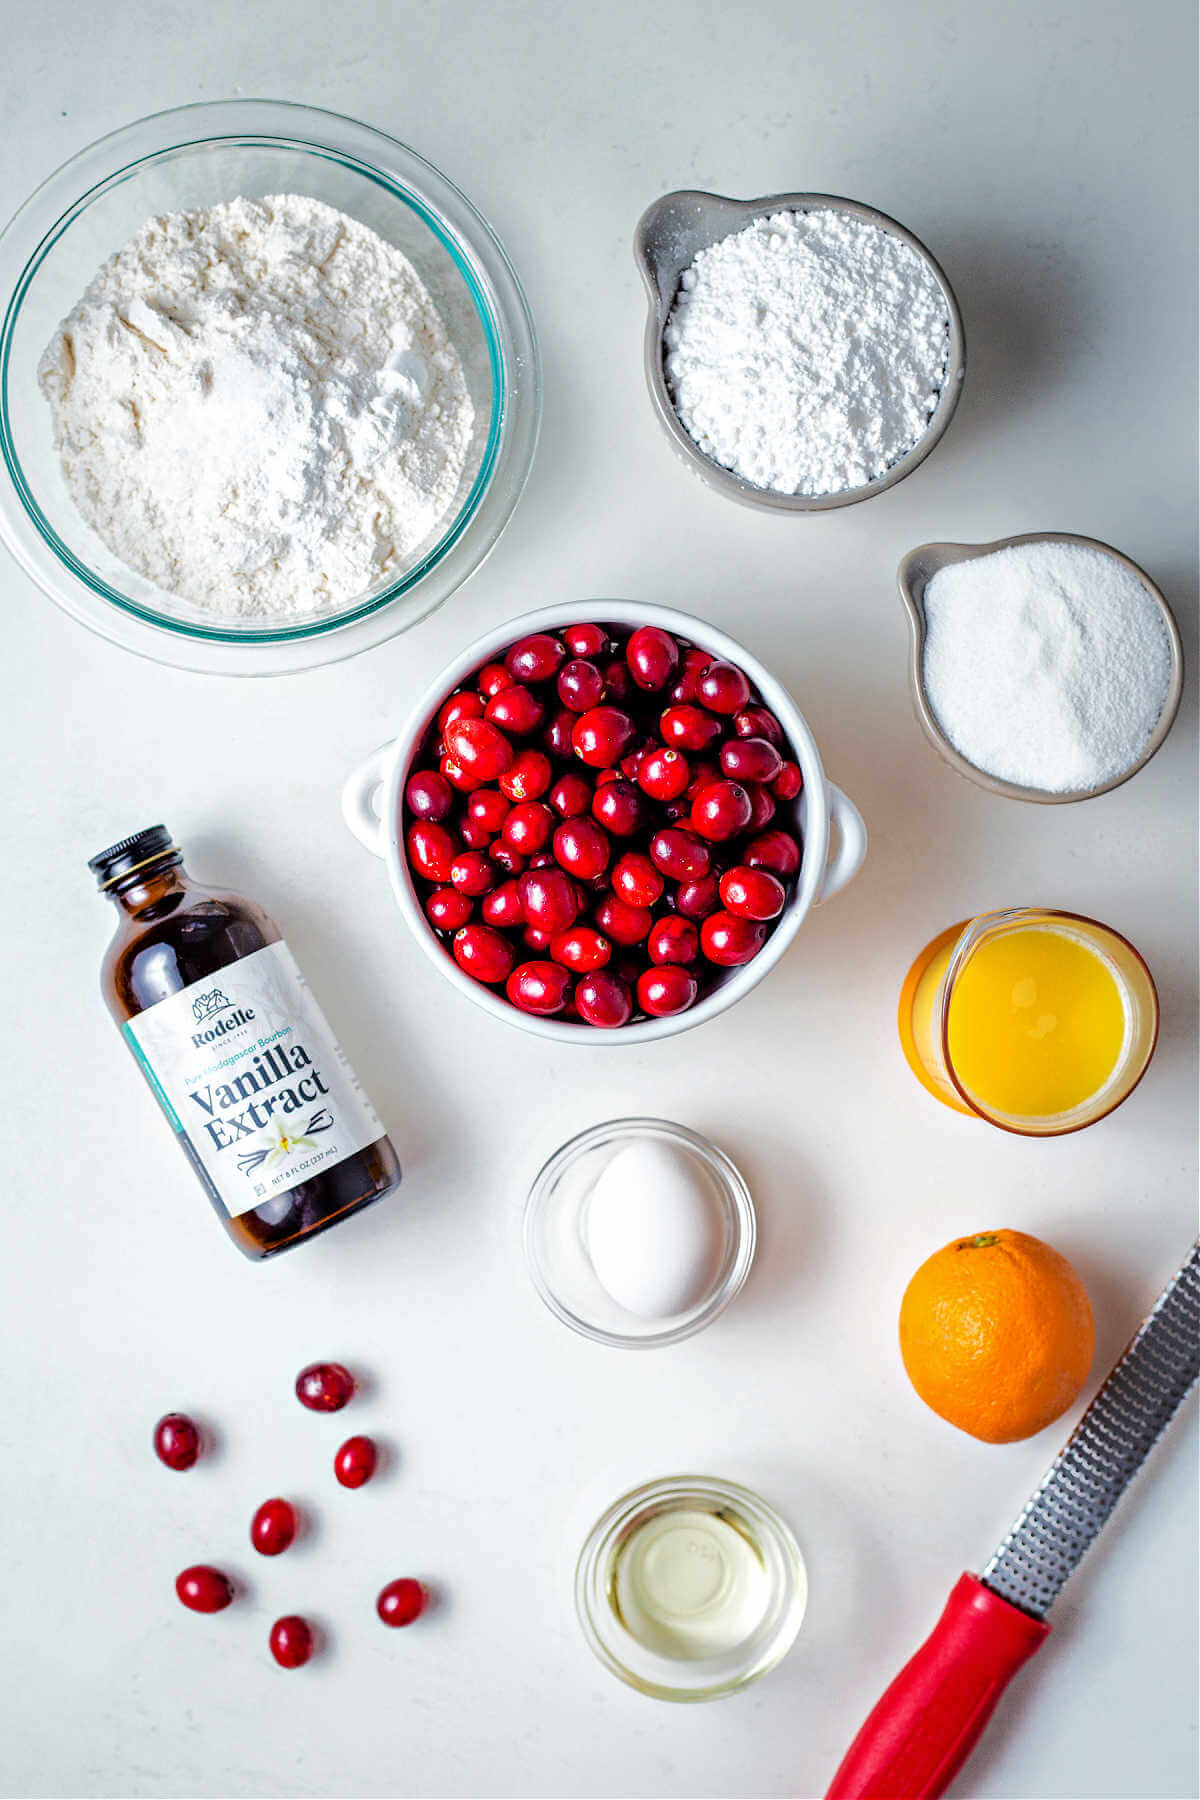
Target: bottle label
{"points": [[246, 1068]]}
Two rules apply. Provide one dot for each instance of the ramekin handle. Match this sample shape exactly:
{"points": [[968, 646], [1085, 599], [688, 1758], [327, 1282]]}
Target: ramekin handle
{"points": [[845, 862], [359, 796]]}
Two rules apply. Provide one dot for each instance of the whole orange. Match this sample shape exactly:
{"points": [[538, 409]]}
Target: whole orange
{"points": [[996, 1334]]}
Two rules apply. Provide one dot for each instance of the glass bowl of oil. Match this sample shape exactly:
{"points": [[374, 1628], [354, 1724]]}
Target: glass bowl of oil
{"points": [[690, 1588]]}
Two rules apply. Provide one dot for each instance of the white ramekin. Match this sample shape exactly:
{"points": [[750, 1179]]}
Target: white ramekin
{"points": [[373, 795]]}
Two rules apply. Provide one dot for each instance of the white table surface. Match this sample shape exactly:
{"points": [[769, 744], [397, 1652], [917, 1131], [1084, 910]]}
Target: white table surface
{"points": [[1045, 154]]}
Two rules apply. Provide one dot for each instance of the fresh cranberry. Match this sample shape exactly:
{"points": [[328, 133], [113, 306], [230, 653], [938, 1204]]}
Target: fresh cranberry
{"points": [[502, 909], [557, 735], [624, 924], [536, 658], [458, 777], [673, 940], [431, 850], [488, 809], [542, 859], [687, 687], [752, 893], [515, 709], [618, 806], [492, 679], [581, 949], [602, 736], [580, 685], [429, 795], [653, 657], [204, 1589], [475, 836], [176, 1441], [549, 899], [447, 909], [721, 810], [528, 778], [688, 728], [539, 987], [479, 748], [324, 1387], [509, 861], [666, 991], [356, 1461], [483, 953], [457, 707], [473, 873], [571, 796], [400, 1602], [696, 899], [291, 1641], [581, 848], [604, 1000], [788, 782], [528, 826], [704, 773], [750, 759], [774, 851], [723, 688], [636, 880], [617, 684], [664, 774], [728, 940], [762, 807], [679, 853], [586, 640], [273, 1527], [756, 721]]}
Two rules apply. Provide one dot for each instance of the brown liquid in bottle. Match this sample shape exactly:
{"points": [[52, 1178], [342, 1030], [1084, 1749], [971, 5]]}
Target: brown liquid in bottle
{"points": [[171, 934]]}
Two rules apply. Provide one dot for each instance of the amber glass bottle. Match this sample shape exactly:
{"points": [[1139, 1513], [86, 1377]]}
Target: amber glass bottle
{"points": [[267, 1110]]}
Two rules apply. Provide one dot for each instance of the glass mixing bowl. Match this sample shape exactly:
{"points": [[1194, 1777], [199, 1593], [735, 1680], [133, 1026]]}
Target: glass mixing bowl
{"points": [[196, 156]]}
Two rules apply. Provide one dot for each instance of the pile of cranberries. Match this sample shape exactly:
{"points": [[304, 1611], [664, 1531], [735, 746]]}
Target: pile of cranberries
{"points": [[321, 1387], [601, 824]]}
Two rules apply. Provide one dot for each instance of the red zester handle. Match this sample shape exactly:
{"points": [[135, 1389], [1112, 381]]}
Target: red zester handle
{"points": [[925, 1726]]}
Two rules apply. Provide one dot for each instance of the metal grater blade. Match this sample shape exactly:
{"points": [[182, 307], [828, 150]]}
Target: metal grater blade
{"points": [[1104, 1452]]}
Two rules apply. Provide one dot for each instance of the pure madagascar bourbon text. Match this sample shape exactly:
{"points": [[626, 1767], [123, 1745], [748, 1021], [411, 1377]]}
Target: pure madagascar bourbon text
{"points": [[240, 1058]]}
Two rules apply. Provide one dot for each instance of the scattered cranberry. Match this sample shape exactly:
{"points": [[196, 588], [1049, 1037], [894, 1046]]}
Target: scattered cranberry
{"points": [[580, 685], [515, 709], [723, 688], [663, 992], [482, 952], [673, 940], [324, 1387], [549, 899], [528, 776], [619, 807], [291, 1641], [775, 851], [663, 774], [581, 949], [728, 941], [604, 1000], [176, 1441], [750, 759], [653, 657], [431, 851], [601, 736], [636, 880], [536, 658], [447, 909], [273, 1527], [788, 783], [473, 873], [400, 1602], [356, 1461], [428, 795], [538, 987], [204, 1589], [752, 893], [721, 810]]}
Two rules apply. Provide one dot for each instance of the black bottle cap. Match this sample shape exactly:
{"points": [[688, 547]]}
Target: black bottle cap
{"points": [[129, 854]]}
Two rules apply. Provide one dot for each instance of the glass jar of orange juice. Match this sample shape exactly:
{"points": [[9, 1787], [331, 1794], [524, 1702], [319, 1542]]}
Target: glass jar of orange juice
{"points": [[1040, 1022]]}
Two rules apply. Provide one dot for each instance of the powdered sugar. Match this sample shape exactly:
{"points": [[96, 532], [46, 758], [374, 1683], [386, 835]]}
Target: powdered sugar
{"points": [[806, 353], [258, 408], [1045, 664]]}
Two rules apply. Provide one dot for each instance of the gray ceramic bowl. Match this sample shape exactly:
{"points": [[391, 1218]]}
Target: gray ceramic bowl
{"points": [[669, 236], [915, 572]]}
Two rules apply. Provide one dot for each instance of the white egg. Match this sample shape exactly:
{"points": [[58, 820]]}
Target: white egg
{"points": [[654, 1229]]}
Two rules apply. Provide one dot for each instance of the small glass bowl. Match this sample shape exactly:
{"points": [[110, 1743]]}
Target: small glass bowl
{"points": [[556, 1245], [196, 156], [704, 1678]]}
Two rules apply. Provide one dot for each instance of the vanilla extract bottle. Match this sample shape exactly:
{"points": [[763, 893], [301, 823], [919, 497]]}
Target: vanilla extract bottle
{"points": [[237, 1052]]}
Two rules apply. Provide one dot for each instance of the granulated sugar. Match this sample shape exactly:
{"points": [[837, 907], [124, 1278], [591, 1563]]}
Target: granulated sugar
{"points": [[258, 408], [807, 352], [1047, 665]]}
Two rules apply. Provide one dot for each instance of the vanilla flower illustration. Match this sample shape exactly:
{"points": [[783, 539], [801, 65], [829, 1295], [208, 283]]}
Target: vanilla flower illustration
{"points": [[284, 1144]]}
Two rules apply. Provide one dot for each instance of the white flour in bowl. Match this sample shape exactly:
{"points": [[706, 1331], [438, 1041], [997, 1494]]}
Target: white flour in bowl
{"points": [[258, 408], [807, 352]]}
